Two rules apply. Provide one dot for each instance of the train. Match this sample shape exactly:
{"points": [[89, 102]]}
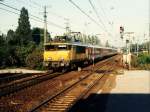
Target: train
{"points": [[62, 55]]}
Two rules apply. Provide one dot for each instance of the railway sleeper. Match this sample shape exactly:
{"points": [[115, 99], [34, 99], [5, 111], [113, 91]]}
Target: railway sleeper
{"points": [[63, 101], [58, 106]]}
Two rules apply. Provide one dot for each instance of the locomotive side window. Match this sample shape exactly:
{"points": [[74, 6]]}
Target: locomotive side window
{"points": [[69, 47], [80, 49]]}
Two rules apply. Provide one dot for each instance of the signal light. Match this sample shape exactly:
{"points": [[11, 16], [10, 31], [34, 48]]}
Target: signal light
{"points": [[121, 29]]}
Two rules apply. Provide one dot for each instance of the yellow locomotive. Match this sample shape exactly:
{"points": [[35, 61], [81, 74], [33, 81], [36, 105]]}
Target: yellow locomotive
{"points": [[63, 54], [72, 54]]}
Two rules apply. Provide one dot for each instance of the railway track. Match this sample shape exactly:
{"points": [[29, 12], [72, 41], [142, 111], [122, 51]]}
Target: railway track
{"points": [[17, 83], [7, 78], [67, 97]]}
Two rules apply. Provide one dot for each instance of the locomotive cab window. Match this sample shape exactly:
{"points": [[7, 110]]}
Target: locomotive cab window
{"points": [[49, 47], [62, 47], [57, 47]]}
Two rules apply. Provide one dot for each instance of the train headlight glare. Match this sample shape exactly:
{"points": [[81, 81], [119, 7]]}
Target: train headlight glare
{"points": [[62, 59], [49, 58]]}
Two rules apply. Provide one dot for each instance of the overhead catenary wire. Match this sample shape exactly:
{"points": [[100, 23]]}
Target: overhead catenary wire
{"points": [[35, 3], [53, 13], [102, 9], [93, 7], [86, 14], [18, 14], [50, 23], [19, 10], [9, 11], [99, 18], [32, 16], [25, 2]]}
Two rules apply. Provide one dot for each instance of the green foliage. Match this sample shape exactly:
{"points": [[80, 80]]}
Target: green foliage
{"points": [[23, 31], [144, 58], [142, 61], [35, 59], [20, 48], [23, 51], [36, 35], [2, 51], [11, 40], [6, 53]]}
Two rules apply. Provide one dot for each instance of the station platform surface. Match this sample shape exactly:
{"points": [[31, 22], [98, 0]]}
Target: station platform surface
{"points": [[20, 70], [133, 82], [128, 92]]}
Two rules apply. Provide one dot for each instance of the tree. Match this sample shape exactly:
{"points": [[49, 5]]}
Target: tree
{"points": [[23, 31], [2, 41], [11, 40], [36, 35], [2, 51], [10, 35]]}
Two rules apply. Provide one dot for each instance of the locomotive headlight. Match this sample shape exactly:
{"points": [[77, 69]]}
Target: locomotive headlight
{"points": [[49, 58], [62, 59]]}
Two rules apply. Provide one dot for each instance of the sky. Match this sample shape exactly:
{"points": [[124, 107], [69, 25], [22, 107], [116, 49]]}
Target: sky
{"points": [[132, 14]]}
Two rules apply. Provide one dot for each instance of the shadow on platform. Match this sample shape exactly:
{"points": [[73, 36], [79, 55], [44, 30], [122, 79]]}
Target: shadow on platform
{"points": [[113, 103]]}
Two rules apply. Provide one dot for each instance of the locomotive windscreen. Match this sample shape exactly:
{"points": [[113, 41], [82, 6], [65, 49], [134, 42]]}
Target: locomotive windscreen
{"points": [[57, 47], [49, 47]]}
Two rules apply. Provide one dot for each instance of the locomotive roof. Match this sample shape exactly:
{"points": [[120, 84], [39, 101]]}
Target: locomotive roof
{"points": [[79, 44]]}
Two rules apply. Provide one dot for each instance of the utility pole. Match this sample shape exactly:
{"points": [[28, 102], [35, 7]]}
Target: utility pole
{"points": [[67, 26], [137, 48], [45, 25], [149, 26]]}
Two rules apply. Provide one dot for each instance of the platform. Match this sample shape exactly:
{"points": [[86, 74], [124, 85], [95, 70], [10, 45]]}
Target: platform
{"points": [[129, 92], [19, 70], [133, 82]]}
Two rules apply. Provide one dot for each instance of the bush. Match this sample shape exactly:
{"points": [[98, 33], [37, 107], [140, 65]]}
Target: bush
{"points": [[35, 60], [144, 59], [141, 62], [22, 53]]}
